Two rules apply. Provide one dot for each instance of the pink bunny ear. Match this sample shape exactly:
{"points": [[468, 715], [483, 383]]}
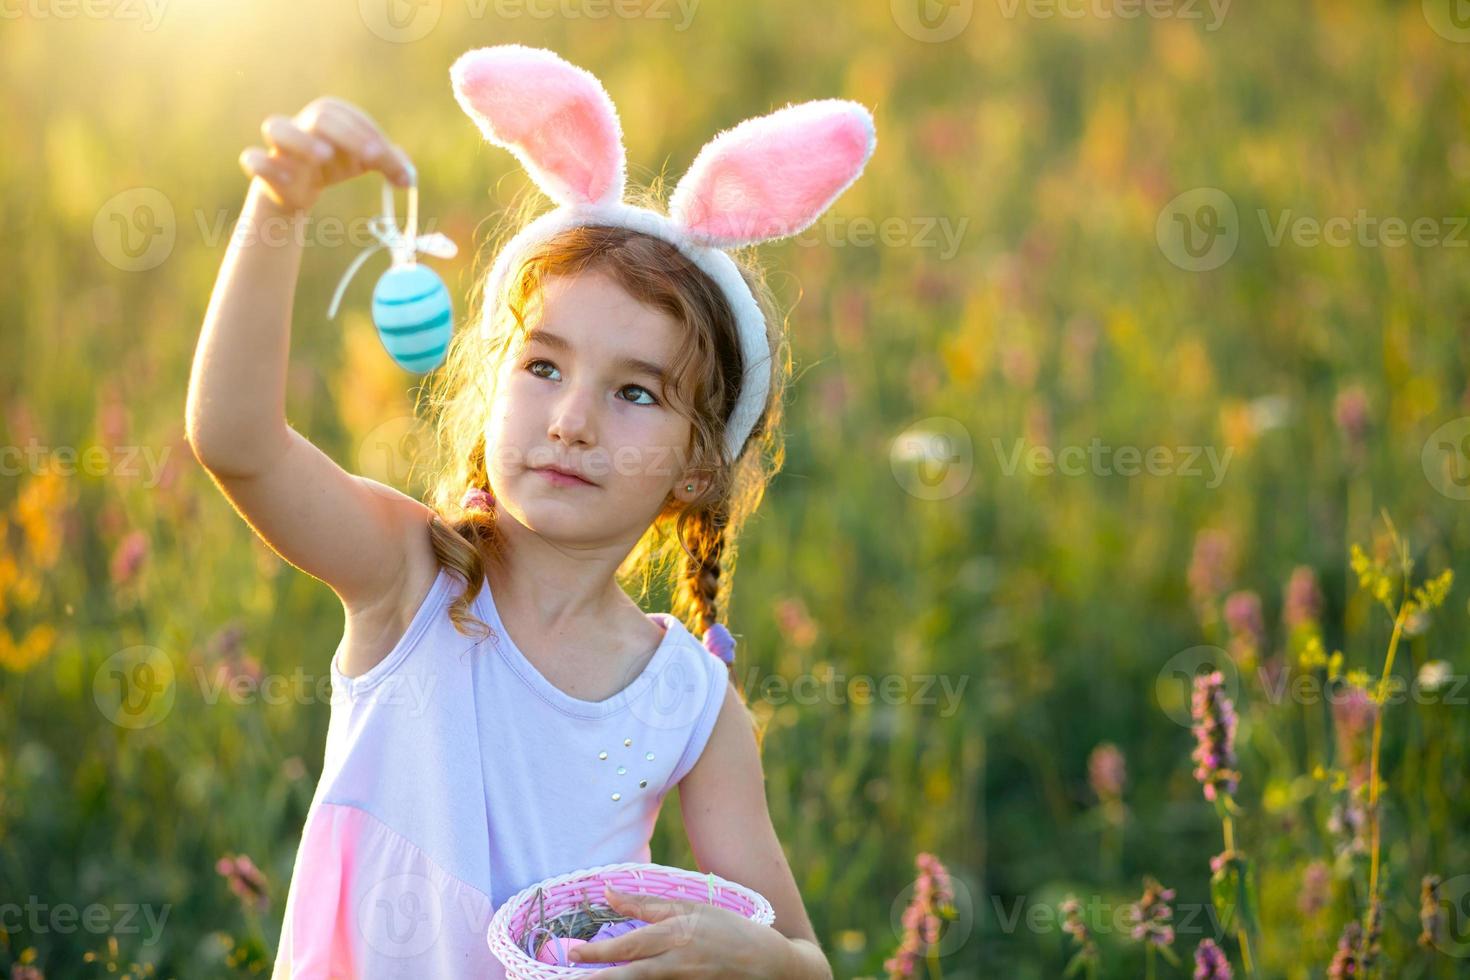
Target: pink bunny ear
{"points": [[774, 175], [555, 117]]}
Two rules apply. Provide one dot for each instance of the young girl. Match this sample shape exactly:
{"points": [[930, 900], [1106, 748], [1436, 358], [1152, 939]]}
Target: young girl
{"points": [[503, 711]]}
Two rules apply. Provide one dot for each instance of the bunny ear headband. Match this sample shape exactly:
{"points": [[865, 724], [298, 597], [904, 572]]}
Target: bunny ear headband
{"points": [[767, 178]]}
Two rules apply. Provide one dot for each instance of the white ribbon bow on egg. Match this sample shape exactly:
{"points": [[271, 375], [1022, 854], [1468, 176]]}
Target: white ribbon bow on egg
{"points": [[402, 245]]}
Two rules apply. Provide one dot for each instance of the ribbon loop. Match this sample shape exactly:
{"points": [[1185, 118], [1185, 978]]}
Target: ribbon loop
{"points": [[402, 245]]}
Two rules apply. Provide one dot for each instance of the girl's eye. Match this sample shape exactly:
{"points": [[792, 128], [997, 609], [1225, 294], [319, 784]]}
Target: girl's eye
{"points": [[531, 366], [651, 399]]}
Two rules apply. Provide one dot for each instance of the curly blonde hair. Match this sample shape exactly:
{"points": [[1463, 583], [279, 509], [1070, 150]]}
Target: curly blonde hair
{"points": [[692, 546]]}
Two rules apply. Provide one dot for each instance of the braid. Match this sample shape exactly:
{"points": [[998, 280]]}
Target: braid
{"points": [[699, 590], [703, 566]]}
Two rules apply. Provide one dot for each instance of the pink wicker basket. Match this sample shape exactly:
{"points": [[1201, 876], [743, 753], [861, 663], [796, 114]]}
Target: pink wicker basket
{"points": [[520, 913]]}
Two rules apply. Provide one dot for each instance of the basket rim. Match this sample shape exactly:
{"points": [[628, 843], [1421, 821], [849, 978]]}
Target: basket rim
{"points": [[501, 943]]}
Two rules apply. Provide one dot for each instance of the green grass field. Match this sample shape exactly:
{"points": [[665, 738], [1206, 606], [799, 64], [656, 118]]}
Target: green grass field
{"points": [[1138, 308]]}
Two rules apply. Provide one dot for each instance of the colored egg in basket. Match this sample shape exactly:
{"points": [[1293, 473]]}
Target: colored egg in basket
{"points": [[414, 316]]}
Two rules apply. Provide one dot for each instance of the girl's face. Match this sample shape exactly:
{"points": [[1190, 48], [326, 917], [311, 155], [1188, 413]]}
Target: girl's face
{"points": [[586, 393]]}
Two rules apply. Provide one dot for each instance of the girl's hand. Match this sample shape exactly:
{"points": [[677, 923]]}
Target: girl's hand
{"points": [[325, 143], [686, 939]]}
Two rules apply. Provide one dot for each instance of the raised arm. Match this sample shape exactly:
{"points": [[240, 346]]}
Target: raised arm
{"points": [[353, 533]]}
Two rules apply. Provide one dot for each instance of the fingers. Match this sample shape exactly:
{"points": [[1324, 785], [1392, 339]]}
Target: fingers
{"points": [[357, 137], [649, 908], [283, 135], [285, 179], [642, 942], [257, 162]]}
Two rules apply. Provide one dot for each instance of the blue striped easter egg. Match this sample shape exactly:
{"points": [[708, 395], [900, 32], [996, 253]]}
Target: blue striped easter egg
{"points": [[414, 316]]}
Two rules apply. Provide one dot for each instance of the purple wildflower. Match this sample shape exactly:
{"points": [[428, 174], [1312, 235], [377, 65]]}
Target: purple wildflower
{"points": [[1074, 926], [1351, 413], [1107, 771], [1210, 962], [1345, 960], [1372, 946], [1430, 922], [1212, 565], [128, 557], [246, 880], [1247, 626], [1352, 722], [1302, 601], [933, 900], [1348, 822], [1316, 878], [1151, 916], [1214, 732]]}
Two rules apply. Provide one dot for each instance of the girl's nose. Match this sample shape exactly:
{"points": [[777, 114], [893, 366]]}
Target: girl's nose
{"points": [[572, 418]]}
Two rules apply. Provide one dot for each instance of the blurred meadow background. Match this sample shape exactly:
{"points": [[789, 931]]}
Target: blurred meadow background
{"points": [[1142, 316]]}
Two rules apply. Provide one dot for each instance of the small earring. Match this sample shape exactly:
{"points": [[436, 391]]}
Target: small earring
{"points": [[688, 486]]}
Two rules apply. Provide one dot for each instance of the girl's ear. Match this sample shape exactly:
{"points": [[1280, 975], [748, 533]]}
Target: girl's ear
{"points": [[772, 176], [555, 117]]}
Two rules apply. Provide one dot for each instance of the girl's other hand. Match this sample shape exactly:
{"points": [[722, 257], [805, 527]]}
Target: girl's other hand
{"points": [[325, 143], [691, 939]]}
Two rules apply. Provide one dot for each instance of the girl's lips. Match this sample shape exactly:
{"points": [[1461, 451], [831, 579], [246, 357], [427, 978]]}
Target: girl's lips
{"points": [[563, 479]]}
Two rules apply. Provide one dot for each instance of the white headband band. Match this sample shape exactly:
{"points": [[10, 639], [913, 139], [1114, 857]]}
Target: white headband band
{"points": [[768, 178]]}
